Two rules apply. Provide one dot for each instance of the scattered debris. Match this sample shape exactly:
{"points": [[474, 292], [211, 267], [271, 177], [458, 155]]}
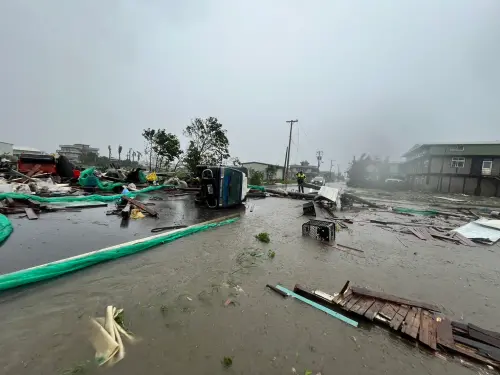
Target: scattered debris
{"points": [[319, 229], [273, 288], [141, 206], [483, 231], [263, 237], [318, 306], [417, 320], [106, 337], [172, 227]]}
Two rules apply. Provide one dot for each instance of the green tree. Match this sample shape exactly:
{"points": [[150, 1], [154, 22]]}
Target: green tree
{"points": [[271, 172], [208, 143], [167, 148], [304, 163], [88, 158], [256, 177], [120, 148], [149, 136]]}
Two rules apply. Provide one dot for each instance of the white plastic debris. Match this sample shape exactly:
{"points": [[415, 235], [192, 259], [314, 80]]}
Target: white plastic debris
{"points": [[106, 337]]}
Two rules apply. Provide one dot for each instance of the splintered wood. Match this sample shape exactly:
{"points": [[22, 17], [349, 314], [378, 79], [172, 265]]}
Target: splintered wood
{"points": [[421, 322]]}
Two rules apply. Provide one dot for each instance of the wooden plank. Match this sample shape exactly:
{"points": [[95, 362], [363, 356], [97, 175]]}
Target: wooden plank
{"points": [[425, 234], [10, 202], [408, 320], [30, 213], [484, 331], [140, 205], [399, 317], [433, 334], [352, 302], [464, 240], [425, 322], [374, 309], [365, 306], [480, 336], [389, 310], [361, 301], [484, 349], [416, 232], [346, 298], [32, 171], [344, 288], [392, 298]]}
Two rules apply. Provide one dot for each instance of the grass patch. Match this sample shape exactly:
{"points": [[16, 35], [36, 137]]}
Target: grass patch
{"points": [[271, 254], [263, 237], [227, 362]]}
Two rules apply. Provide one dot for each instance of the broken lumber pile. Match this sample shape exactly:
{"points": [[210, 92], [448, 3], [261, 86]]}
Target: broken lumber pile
{"points": [[418, 321]]}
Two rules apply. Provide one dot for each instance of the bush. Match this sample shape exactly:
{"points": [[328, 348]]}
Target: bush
{"points": [[256, 178]]}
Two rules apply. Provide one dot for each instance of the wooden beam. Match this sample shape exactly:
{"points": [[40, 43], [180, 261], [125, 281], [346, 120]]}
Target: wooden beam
{"points": [[392, 298], [30, 213], [141, 206]]}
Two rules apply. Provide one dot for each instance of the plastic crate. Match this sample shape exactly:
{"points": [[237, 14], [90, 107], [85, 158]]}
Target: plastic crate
{"points": [[320, 230]]}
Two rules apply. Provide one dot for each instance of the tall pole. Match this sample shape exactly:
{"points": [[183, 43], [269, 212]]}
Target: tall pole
{"points": [[284, 165], [289, 145], [331, 166]]}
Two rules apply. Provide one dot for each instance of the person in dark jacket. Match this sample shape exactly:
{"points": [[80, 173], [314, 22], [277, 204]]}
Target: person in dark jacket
{"points": [[301, 178]]}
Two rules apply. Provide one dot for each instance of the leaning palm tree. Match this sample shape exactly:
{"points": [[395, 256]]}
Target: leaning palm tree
{"points": [[120, 148]]}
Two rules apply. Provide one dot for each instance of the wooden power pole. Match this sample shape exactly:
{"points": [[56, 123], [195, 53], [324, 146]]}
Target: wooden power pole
{"points": [[289, 145]]}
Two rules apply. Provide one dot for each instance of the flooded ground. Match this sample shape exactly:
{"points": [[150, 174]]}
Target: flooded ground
{"points": [[174, 295]]}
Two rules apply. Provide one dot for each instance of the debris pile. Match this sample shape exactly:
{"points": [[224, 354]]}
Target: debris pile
{"points": [[418, 321]]}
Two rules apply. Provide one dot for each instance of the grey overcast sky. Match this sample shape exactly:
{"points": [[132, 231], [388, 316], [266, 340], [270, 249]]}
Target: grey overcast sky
{"points": [[371, 76]]}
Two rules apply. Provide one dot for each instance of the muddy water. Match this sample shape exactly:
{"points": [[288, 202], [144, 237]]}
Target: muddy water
{"points": [[174, 297]]}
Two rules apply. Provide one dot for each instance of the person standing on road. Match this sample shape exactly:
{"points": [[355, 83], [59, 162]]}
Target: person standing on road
{"points": [[301, 178]]}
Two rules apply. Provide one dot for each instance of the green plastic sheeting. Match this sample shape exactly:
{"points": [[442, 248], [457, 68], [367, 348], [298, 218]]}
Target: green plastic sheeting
{"points": [[82, 198], [256, 187], [87, 178], [64, 266], [403, 210], [5, 228]]}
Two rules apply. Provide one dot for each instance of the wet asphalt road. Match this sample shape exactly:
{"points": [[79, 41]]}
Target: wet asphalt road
{"points": [[45, 325]]}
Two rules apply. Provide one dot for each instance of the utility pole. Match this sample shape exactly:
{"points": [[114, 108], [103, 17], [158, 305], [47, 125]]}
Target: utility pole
{"points": [[331, 166], [284, 165], [289, 145], [319, 156]]}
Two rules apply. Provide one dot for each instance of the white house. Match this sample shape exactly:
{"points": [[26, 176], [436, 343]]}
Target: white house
{"points": [[263, 167]]}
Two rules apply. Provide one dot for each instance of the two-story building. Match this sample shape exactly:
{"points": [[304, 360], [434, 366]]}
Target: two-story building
{"points": [[73, 152], [468, 168]]}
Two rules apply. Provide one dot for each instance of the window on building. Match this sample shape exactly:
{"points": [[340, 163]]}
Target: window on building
{"points": [[457, 148], [426, 163], [486, 170], [457, 162]]}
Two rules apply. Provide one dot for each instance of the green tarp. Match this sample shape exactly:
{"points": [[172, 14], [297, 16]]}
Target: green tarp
{"points": [[5, 228], [58, 268]]}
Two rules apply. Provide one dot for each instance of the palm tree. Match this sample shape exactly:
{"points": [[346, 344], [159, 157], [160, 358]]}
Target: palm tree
{"points": [[139, 154], [133, 156], [129, 153], [120, 148], [109, 151]]}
